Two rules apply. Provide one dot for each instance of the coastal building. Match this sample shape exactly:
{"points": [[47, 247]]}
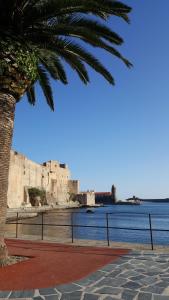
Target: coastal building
{"points": [[86, 198], [113, 194], [103, 198], [133, 200], [51, 177], [106, 197]]}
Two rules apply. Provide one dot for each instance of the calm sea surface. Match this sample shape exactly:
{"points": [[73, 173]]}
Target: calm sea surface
{"points": [[124, 219]]}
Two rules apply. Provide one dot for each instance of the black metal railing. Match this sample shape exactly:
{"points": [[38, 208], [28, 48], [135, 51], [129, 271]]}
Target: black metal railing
{"points": [[107, 227]]}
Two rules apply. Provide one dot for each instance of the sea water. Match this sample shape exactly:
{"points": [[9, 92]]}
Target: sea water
{"points": [[127, 223]]}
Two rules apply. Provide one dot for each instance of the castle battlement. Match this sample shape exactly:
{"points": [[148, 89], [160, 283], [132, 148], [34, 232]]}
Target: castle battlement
{"points": [[51, 176]]}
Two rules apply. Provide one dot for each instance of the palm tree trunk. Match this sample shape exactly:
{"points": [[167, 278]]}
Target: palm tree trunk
{"points": [[7, 110]]}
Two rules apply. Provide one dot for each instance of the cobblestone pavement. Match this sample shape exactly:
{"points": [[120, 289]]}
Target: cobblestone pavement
{"points": [[140, 275]]}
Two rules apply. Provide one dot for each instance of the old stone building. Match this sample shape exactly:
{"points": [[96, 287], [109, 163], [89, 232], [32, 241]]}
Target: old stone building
{"points": [[86, 198], [51, 176]]}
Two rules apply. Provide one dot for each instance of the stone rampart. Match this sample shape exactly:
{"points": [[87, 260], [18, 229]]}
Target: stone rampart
{"points": [[51, 176], [86, 198]]}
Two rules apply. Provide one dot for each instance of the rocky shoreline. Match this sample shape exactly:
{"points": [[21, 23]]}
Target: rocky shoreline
{"points": [[30, 212]]}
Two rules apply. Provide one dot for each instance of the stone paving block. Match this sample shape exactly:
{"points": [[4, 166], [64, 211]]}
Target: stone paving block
{"points": [[67, 288], [152, 273], [129, 294], [129, 273], [148, 253], [114, 273], [47, 291], [138, 255], [52, 297], [96, 276], [121, 261], [161, 259], [114, 282], [160, 297], [163, 283], [131, 285], [166, 265], [143, 257], [138, 277], [84, 282], [164, 276], [16, 294], [109, 290], [144, 269], [165, 271], [144, 296], [153, 289], [159, 270], [104, 272], [71, 296], [18, 298], [149, 280], [91, 278], [22, 294], [112, 298], [156, 264], [135, 252], [136, 261], [164, 255], [161, 264], [4, 294], [128, 266], [90, 297], [144, 265], [89, 289], [140, 270], [148, 263], [110, 267], [119, 268]]}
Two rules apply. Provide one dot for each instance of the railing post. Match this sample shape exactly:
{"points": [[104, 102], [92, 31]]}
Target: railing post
{"points": [[72, 227], [42, 226], [107, 227], [16, 225], [151, 233]]}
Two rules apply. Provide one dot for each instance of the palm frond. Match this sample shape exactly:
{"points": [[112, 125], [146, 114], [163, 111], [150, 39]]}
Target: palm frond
{"points": [[96, 27], [88, 29], [53, 64], [76, 64], [45, 85], [31, 95], [52, 32], [63, 47], [48, 9]]}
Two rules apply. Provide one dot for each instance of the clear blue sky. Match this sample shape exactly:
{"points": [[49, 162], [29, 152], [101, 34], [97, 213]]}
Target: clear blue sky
{"points": [[111, 135]]}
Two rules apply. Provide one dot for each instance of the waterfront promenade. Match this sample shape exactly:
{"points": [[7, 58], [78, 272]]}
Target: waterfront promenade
{"points": [[64, 272]]}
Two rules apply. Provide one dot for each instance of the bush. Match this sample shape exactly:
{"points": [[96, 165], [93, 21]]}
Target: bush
{"points": [[34, 193]]}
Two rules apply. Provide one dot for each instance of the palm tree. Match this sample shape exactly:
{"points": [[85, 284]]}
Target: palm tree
{"points": [[36, 38]]}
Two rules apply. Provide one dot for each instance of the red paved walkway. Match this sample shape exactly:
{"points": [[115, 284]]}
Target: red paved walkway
{"points": [[52, 264]]}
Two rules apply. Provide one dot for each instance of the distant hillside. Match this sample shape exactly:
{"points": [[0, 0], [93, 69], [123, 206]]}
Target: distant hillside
{"points": [[164, 200]]}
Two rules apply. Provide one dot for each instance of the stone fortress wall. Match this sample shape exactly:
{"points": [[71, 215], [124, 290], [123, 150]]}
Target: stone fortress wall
{"points": [[51, 176], [86, 198]]}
